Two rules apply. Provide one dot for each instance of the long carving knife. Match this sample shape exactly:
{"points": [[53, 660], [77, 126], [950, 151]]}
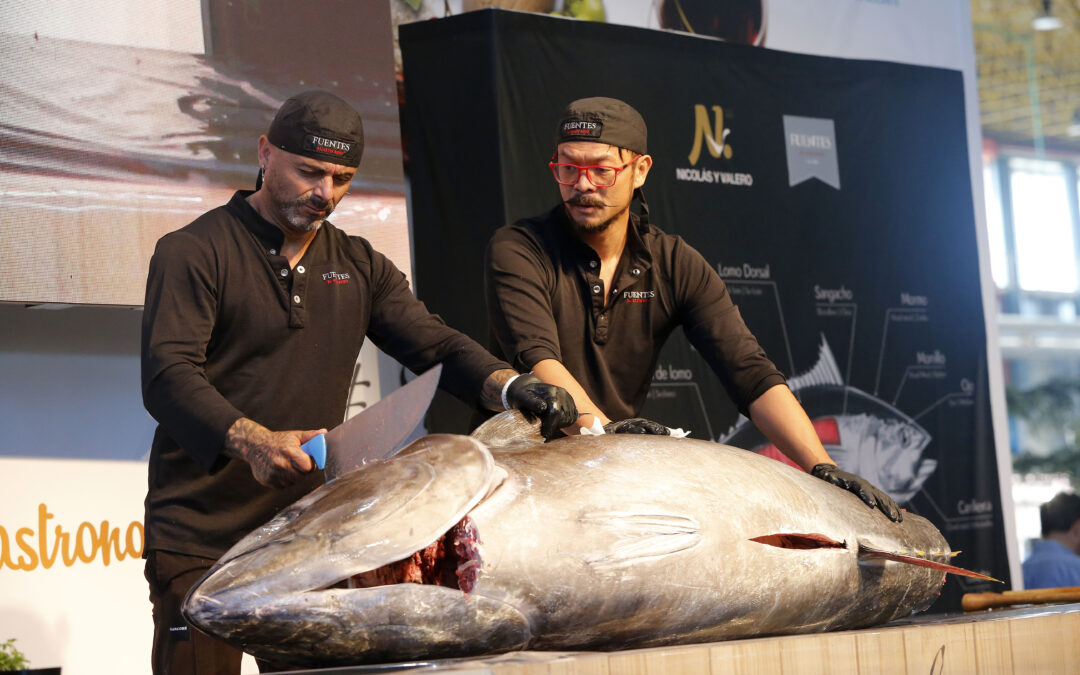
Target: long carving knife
{"points": [[377, 432]]}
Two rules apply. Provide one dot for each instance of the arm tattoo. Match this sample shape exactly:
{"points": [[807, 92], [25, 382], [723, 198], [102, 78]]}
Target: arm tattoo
{"points": [[248, 440], [491, 393]]}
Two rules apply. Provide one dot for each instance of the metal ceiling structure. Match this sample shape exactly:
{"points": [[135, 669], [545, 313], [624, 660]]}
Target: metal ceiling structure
{"points": [[1029, 80]]}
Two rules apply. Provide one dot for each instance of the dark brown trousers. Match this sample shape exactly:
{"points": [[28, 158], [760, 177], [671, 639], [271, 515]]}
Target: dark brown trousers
{"points": [[180, 649]]}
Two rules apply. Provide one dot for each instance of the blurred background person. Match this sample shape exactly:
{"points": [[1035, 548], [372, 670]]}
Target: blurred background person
{"points": [[1055, 559]]}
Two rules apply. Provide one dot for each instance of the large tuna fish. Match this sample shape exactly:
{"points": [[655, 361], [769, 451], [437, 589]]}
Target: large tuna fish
{"points": [[473, 545]]}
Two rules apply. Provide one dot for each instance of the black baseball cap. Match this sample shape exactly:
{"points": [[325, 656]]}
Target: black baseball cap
{"points": [[319, 125], [603, 120]]}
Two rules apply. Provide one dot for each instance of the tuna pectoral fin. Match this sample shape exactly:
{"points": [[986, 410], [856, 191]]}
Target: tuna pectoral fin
{"points": [[639, 536], [866, 552]]}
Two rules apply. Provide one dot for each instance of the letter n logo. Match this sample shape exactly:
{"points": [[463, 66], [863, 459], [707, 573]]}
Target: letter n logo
{"points": [[714, 135]]}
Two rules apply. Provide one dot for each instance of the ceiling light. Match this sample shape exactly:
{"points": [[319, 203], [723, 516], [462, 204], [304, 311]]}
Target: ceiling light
{"points": [[1046, 20], [1047, 23]]}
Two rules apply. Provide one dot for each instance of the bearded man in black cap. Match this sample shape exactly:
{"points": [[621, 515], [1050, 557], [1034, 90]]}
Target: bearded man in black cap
{"points": [[585, 295], [253, 321]]}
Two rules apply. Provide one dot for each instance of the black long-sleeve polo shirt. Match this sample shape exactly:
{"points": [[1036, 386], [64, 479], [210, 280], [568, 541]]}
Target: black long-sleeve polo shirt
{"points": [[545, 300], [230, 331]]}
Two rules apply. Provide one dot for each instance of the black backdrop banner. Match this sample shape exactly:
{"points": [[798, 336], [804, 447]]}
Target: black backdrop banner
{"points": [[832, 196]]}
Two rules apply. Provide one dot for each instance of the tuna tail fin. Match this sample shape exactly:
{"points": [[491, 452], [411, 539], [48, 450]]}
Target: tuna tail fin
{"points": [[866, 552]]}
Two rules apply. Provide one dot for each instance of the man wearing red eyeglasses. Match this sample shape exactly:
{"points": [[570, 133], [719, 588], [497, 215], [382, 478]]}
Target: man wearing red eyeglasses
{"points": [[585, 296]]}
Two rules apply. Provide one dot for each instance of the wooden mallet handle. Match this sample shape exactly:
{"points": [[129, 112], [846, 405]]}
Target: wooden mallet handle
{"points": [[974, 602]]}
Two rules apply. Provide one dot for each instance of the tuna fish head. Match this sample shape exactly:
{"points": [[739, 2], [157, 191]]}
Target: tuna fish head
{"points": [[283, 592]]}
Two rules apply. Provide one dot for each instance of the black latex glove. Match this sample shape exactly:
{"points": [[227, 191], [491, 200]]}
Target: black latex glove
{"points": [[862, 488], [553, 405], [637, 425]]}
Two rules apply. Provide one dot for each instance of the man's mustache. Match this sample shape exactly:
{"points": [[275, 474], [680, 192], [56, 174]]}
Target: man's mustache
{"points": [[582, 200], [318, 204]]}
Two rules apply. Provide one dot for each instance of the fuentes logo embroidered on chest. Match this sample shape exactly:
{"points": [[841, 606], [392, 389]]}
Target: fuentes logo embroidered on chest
{"points": [[336, 277], [638, 296]]}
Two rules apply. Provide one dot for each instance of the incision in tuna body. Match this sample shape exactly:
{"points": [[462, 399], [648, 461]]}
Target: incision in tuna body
{"points": [[452, 560]]}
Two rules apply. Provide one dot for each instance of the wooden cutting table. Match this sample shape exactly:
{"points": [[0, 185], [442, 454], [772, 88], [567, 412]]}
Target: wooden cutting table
{"points": [[1044, 639]]}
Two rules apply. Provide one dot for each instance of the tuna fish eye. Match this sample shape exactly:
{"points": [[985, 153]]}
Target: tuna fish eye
{"points": [[905, 436]]}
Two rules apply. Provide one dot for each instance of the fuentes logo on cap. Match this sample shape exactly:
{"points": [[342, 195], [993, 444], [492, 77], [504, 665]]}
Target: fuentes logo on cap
{"points": [[582, 129], [326, 146]]}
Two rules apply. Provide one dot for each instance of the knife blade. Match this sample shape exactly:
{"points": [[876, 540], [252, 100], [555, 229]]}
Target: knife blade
{"points": [[376, 432]]}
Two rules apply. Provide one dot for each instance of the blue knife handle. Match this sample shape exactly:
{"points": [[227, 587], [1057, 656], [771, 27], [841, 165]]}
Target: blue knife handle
{"points": [[316, 447]]}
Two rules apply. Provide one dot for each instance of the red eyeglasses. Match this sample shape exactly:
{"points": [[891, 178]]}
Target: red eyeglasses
{"points": [[599, 176]]}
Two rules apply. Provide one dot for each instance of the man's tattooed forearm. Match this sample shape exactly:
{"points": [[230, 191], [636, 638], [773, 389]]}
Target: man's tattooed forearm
{"points": [[245, 439], [491, 395]]}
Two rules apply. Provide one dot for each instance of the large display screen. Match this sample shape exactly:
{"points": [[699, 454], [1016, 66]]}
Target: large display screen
{"points": [[123, 120], [832, 196]]}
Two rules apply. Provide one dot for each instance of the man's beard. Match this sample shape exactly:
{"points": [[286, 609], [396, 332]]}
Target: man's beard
{"points": [[590, 228], [293, 212], [288, 211]]}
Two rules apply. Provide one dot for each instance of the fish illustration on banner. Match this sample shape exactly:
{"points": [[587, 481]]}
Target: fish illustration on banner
{"points": [[862, 433]]}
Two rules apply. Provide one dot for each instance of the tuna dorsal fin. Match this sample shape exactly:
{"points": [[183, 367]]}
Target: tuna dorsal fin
{"points": [[509, 430], [824, 372], [866, 552]]}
